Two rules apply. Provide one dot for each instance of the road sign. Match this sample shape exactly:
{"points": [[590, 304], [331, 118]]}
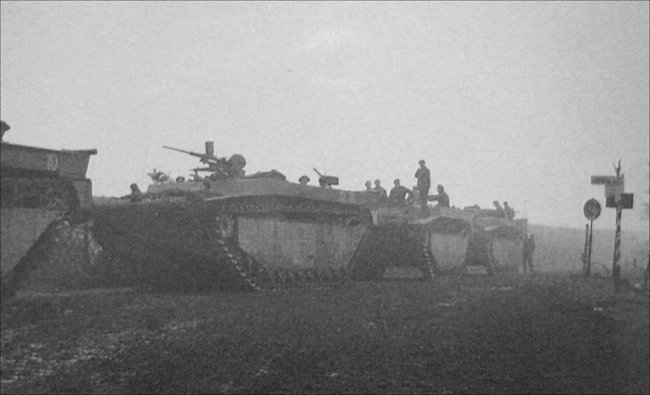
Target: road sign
{"points": [[627, 201], [601, 180], [614, 190], [591, 209]]}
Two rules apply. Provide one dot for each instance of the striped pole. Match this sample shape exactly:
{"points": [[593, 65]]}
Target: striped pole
{"points": [[583, 258], [591, 238], [616, 269]]}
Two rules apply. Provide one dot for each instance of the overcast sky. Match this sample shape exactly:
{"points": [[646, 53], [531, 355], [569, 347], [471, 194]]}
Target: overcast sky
{"points": [[511, 101]]}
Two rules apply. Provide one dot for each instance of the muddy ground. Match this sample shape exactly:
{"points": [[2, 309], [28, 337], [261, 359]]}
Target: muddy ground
{"points": [[551, 333]]}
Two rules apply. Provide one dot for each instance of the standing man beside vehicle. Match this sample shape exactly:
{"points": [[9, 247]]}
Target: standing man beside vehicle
{"points": [[529, 248], [424, 184]]}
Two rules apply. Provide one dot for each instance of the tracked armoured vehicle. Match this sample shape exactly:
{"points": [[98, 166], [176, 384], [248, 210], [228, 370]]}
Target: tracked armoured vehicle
{"points": [[229, 230], [38, 188], [440, 240]]}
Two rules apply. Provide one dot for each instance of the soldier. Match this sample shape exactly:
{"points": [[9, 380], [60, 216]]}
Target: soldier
{"points": [[424, 184], [303, 180], [500, 212], [136, 194], [369, 186], [382, 192], [441, 197], [529, 248], [510, 212], [4, 126], [399, 194]]}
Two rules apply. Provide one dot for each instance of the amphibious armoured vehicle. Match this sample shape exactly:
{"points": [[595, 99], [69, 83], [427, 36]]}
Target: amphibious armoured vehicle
{"points": [[38, 187], [230, 230]]}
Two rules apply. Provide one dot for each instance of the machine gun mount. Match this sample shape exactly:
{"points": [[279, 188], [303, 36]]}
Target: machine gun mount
{"points": [[219, 167]]}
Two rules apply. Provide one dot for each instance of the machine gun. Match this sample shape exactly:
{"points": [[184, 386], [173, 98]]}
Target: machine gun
{"points": [[326, 181], [219, 167]]}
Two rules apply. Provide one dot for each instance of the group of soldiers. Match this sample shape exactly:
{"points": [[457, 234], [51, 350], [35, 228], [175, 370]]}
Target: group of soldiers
{"points": [[401, 196], [504, 211]]}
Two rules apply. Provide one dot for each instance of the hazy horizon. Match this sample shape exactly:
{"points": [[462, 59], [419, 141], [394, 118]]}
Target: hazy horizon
{"points": [[509, 101]]}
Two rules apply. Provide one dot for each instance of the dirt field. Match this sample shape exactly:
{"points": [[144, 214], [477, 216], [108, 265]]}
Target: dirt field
{"points": [[488, 334]]}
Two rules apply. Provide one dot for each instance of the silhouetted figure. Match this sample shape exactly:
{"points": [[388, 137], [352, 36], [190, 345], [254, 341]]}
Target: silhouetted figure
{"points": [[529, 248], [368, 186], [383, 197], [424, 184], [136, 194], [304, 180], [3, 128], [399, 194], [442, 198], [500, 211], [509, 211]]}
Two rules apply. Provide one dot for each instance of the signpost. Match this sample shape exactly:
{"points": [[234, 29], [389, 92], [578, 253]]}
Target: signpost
{"points": [[591, 210], [615, 198], [626, 201], [602, 180]]}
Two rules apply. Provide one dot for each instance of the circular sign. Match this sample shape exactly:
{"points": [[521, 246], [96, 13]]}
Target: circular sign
{"points": [[591, 209]]}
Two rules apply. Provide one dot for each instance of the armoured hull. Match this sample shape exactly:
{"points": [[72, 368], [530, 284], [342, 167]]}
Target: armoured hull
{"points": [[37, 188], [268, 231], [263, 186], [441, 240], [237, 242]]}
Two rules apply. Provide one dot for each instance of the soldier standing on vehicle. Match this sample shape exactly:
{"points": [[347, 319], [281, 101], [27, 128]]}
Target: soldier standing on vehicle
{"points": [[379, 189], [500, 212], [510, 212], [529, 248], [424, 184]]}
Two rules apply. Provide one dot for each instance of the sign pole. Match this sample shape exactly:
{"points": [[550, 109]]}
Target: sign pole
{"points": [[591, 237], [591, 210], [616, 269], [615, 197], [584, 253]]}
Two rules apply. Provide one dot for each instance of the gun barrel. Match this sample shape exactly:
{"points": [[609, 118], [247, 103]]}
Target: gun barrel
{"points": [[179, 150], [197, 154], [318, 172]]}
